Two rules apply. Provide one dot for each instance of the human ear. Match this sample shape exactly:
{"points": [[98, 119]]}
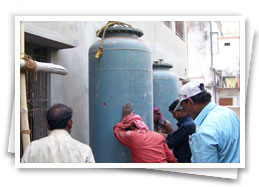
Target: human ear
{"points": [[70, 124], [191, 101], [48, 127]]}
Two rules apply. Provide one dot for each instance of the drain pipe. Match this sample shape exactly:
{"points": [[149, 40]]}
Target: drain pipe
{"points": [[211, 58]]}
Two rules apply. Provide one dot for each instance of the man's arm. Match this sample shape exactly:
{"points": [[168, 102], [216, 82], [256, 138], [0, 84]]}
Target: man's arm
{"points": [[169, 155], [180, 136], [168, 127], [204, 148], [90, 156], [121, 134]]}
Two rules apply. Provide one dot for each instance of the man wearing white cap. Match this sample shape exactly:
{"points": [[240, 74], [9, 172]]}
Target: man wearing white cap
{"points": [[217, 137]]}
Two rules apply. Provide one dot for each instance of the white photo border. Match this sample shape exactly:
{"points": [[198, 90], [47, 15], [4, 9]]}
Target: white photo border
{"points": [[240, 19]]}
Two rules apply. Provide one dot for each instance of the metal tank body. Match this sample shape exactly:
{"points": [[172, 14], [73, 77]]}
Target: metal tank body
{"points": [[123, 73], [165, 89]]}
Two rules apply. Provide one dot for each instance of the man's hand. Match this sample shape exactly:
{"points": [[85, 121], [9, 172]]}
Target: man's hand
{"points": [[127, 109], [164, 135]]}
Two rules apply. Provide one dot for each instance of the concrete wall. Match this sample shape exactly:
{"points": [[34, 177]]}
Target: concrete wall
{"points": [[228, 59], [227, 56], [199, 53], [230, 93], [73, 89], [165, 44]]}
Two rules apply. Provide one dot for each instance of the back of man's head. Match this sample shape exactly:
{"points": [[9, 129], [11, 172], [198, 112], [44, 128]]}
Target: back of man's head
{"points": [[203, 97], [196, 91], [58, 116], [173, 105]]}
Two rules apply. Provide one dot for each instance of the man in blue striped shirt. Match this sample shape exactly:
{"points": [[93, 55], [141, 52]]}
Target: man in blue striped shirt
{"points": [[217, 136]]}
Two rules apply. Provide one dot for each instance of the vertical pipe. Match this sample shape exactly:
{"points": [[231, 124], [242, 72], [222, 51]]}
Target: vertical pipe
{"points": [[211, 57], [25, 131]]}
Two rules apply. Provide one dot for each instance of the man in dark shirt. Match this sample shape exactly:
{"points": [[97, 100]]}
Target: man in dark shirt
{"points": [[179, 139]]}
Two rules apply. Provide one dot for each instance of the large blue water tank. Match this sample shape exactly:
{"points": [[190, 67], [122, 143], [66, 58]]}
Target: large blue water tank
{"points": [[123, 73], [165, 89]]}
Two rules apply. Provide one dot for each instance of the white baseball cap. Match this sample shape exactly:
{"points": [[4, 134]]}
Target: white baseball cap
{"points": [[178, 107], [188, 90]]}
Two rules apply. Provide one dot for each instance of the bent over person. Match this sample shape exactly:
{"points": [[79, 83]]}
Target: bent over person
{"points": [[145, 146], [59, 146]]}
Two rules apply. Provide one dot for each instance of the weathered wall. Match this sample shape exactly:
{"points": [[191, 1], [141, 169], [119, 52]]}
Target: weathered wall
{"points": [[165, 45], [73, 88], [199, 54], [228, 58], [230, 93]]}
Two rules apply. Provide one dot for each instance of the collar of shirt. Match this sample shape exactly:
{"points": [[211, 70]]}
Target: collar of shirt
{"points": [[182, 121], [202, 115], [59, 132]]}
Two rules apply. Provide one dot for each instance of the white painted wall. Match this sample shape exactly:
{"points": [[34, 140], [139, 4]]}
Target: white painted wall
{"points": [[199, 53], [165, 45], [228, 58]]}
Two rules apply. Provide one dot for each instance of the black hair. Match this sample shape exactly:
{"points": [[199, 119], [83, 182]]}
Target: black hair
{"points": [[173, 105], [202, 97], [58, 116]]}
